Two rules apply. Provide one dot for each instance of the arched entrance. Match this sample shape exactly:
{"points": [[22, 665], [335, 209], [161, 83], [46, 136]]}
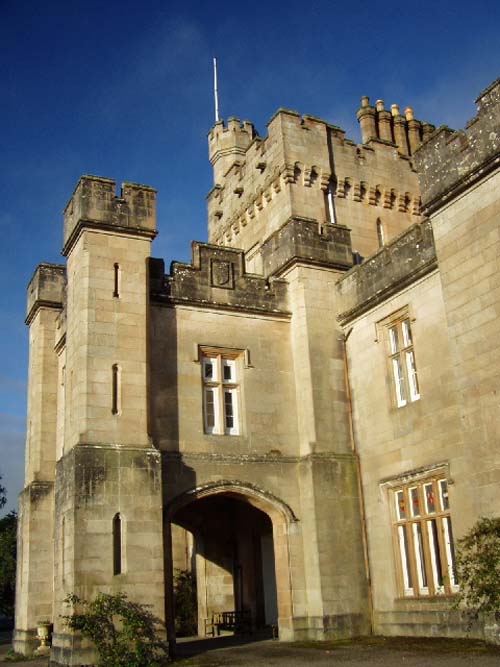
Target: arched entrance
{"points": [[241, 558]]}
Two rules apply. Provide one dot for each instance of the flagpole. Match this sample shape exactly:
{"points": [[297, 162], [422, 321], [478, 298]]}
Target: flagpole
{"points": [[216, 95]]}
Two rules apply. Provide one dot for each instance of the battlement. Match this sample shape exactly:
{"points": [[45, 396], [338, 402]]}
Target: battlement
{"points": [[45, 289], [306, 242], [380, 124], [217, 278], [407, 258], [306, 168], [95, 204], [451, 160]]}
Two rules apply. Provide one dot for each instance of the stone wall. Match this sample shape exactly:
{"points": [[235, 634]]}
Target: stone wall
{"points": [[395, 266], [449, 162]]}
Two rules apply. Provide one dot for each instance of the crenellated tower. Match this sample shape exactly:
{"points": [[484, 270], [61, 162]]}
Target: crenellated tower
{"points": [[106, 502], [35, 552], [306, 169]]}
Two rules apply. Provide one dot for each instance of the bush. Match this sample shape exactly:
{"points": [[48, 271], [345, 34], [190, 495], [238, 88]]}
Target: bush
{"points": [[478, 567], [186, 610], [125, 633], [8, 537]]}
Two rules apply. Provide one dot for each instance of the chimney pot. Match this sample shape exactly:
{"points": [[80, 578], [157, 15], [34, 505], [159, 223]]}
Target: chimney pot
{"points": [[409, 113]]}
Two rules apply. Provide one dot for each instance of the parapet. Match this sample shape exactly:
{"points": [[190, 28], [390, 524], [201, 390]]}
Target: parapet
{"points": [[94, 204], [305, 241], [380, 124], [45, 289], [407, 258], [451, 161], [217, 278]]}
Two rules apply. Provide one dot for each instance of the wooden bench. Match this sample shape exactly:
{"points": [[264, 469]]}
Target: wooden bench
{"points": [[236, 621]]}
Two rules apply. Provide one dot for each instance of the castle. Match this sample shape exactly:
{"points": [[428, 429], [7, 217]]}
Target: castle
{"points": [[307, 414]]}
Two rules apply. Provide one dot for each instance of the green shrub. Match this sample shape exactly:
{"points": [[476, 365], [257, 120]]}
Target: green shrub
{"points": [[186, 610], [478, 567], [125, 633]]}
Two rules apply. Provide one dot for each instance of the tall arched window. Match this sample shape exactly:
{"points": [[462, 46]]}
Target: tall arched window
{"points": [[117, 544]]}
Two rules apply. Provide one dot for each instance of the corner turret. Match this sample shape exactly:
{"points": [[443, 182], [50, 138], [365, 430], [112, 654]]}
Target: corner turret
{"points": [[227, 144]]}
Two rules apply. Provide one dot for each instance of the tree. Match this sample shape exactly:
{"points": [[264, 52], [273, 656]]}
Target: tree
{"points": [[8, 539], [478, 567], [3, 494], [124, 633]]}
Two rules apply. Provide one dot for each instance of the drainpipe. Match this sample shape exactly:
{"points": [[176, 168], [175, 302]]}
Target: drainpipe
{"points": [[364, 537]]}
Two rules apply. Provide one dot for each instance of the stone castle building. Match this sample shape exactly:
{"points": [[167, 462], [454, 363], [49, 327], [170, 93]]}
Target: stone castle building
{"points": [[306, 414]]}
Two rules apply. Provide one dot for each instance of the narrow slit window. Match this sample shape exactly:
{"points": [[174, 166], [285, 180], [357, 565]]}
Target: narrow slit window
{"points": [[116, 290], [115, 390], [380, 233], [329, 204], [117, 544]]}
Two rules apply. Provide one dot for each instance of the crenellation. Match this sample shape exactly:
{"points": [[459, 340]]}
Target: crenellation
{"points": [[306, 242], [46, 289], [451, 160], [217, 278], [95, 205]]}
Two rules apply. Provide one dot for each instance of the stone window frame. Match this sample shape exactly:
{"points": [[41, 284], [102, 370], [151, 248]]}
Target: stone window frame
{"points": [[424, 553], [397, 333], [224, 383]]}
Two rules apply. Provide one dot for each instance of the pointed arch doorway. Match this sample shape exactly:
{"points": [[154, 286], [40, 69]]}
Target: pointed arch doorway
{"points": [[240, 537]]}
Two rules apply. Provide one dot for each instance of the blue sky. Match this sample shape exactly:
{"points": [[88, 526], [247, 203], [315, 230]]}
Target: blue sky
{"points": [[124, 90]]}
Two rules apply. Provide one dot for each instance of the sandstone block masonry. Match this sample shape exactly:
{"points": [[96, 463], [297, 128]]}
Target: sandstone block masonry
{"points": [[305, 415]]}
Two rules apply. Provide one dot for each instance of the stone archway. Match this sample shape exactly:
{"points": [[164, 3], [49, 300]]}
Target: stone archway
{"points": [[242, 551]]}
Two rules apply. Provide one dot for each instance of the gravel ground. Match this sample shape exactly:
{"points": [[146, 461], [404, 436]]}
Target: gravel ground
{"points": [[386, 652], [393, 652]]}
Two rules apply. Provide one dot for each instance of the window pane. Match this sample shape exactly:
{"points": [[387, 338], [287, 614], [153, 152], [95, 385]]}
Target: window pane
{"points": [[437, 572], [450, 552], [400, 505], [228, 409], [443, 492], [406, 333], [398, 382], [405, 560], [429, 498], [209, 369], [228, 370], [393, 339], [412, 375], [210, 408], [419, 558], [414, 501]]}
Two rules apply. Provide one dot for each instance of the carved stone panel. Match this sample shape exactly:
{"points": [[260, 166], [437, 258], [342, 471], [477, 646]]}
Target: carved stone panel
{"points": [[222, 274]]}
